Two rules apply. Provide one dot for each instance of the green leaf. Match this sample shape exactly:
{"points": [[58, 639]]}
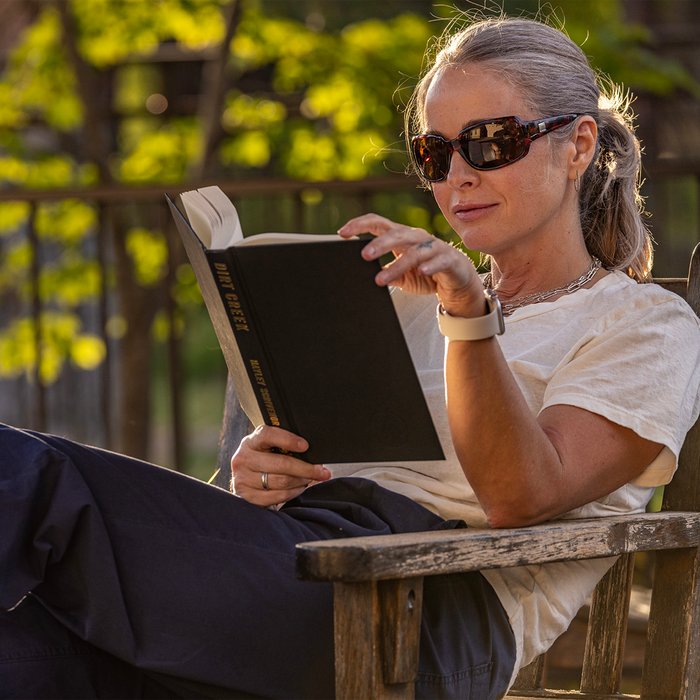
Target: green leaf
{"points": [[251, 148], [149, 253], [87, 351], [162, 155], [12, 216], [69, 221], [62, 339]]}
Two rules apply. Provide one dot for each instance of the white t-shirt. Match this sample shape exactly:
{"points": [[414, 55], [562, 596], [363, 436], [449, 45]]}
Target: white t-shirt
{"points": [[629, 352]]}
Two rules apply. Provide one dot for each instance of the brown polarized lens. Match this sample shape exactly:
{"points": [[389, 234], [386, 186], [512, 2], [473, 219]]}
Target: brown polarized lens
{"points": [[484, 146], [493, 144], [432, 157]]}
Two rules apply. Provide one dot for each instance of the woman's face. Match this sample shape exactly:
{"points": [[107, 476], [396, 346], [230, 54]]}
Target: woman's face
{"points": [[518, 209]]}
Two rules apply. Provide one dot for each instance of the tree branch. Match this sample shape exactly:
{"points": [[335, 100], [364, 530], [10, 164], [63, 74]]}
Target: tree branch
{"points": [[212, 99], [96, 141]]}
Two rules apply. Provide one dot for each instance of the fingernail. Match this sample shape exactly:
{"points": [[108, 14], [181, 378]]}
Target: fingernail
{"points": [[326, 473]]}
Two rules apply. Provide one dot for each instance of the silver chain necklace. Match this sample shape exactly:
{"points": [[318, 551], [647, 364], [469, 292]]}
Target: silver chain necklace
{"points": [[509, 307]]}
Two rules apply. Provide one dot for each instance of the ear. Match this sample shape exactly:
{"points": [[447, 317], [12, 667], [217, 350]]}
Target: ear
{"points": [[583, 141]]}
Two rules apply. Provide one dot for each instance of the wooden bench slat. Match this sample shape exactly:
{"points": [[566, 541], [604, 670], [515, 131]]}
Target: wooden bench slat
{"points": [[401, 604], [530, 677], [441, 552], [359, 668], [677, 285], [568, 695], [672, 657], [607, 629]]}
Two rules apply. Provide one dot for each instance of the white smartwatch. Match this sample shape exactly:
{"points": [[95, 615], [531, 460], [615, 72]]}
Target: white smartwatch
{"points": [[479, 328]]}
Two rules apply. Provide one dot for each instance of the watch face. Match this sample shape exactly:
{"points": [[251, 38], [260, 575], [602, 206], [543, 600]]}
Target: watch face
{"points": [[494, 304]]}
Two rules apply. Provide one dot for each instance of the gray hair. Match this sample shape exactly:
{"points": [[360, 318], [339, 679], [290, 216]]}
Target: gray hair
{"points": [[554, 77]]}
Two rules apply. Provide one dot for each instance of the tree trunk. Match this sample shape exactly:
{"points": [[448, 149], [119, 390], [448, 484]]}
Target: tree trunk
{"points": [[138, 307]]}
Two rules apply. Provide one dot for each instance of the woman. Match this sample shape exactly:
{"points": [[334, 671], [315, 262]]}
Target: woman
{"points": [[578, 409]]}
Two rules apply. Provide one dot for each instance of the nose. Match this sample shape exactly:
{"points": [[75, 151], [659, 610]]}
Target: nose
{"points": [[456, 146], [460, 171]]}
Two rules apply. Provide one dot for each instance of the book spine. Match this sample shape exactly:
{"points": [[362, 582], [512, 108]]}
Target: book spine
{"points": [[258, 364]]}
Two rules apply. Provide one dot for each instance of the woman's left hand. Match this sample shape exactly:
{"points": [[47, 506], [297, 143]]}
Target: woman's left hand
{"points": [[423, 264]]}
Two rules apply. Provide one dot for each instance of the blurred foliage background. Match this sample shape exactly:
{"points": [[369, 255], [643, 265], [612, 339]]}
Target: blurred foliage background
{"points": [[295, 108]]}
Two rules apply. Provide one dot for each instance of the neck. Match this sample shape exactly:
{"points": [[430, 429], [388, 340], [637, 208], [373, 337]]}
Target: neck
{"points": [[515, 276], [587, 279]]}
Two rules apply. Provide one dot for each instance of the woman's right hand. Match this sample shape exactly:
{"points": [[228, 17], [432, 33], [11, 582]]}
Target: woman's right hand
{"points": [[287, 476], [423, 264]]}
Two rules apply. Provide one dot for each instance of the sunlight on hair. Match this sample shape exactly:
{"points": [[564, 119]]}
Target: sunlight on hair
{"points": [[554, 76]]}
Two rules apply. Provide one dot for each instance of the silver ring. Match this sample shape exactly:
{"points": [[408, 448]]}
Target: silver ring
{"points": [[264, 481]]}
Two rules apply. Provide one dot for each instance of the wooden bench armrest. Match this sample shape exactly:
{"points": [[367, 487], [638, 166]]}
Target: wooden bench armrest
{"points": [[451, 551]]}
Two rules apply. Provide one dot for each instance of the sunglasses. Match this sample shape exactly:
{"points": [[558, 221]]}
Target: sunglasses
{"points": [[488, 145]]}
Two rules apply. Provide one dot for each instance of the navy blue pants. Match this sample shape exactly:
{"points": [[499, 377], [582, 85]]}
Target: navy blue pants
{"points": [[143, 583]]}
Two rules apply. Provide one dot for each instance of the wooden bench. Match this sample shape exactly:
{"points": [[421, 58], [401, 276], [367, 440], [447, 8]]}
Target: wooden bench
{"points": [[378, 583]]}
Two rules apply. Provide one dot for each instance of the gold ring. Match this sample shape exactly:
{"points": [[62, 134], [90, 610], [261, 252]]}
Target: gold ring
{"points": [[264, 481]]}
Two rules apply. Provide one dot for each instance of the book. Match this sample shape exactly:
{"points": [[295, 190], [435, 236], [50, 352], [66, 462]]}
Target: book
{"points": [[312, 343]]}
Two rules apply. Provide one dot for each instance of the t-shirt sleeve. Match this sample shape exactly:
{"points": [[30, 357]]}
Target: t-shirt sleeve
{"points": [[638, 367]]}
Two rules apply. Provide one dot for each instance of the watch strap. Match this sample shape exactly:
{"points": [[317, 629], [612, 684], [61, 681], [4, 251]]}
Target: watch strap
{"points": [[478, 328]]}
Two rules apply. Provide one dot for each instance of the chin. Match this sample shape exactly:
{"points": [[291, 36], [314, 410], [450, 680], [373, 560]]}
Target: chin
{"points": [[480, 243]]}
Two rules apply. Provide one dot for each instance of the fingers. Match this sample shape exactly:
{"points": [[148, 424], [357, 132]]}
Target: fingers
{"points": [[425, 256], [367, 223], [411, 246], [268, 478], [423, 264], [390, 236], [265, 437], [416, 250], [277, 481]]}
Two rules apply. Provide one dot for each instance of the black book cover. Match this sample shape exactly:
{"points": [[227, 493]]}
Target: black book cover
{"points": [[318, 346]]}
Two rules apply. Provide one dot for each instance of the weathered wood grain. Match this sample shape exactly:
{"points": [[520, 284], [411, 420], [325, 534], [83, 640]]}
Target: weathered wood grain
{"points": [[693, 293], [683, 493], [426, 553], [530, 677], [568, 695], [358, 645], [607, 629], [677, 285], [400, 606], [672, 657]]}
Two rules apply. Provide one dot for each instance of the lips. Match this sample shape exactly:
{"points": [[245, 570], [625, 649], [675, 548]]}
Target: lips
{"points": [[469, 212]]}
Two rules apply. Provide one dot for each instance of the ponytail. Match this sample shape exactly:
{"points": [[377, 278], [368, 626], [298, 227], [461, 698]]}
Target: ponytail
{"points": [[611, 207]]}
